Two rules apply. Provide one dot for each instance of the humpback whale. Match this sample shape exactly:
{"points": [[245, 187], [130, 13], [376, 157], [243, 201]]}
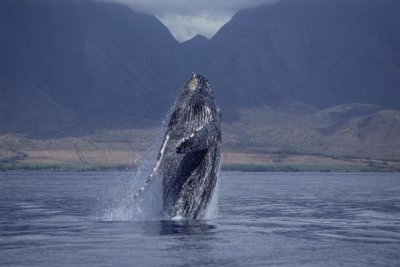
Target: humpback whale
{"points": [[189, 157]]}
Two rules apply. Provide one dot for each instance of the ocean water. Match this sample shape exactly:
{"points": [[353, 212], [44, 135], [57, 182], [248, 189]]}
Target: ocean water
{"points": [[264, 219]]}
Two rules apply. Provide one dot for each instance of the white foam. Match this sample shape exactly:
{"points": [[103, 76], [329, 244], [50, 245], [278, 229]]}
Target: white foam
{"points": [[212, 210]]}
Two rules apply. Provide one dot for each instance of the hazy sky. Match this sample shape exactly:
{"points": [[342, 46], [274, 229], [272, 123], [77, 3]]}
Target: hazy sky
{"points": [[186, 18]]}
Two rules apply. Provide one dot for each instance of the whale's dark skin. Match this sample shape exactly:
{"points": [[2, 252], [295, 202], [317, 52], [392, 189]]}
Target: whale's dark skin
{"points": [[189, 158]]}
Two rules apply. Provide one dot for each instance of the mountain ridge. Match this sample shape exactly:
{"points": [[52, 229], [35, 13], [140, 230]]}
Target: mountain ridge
{"points": [[73, 67], [303, 51]]}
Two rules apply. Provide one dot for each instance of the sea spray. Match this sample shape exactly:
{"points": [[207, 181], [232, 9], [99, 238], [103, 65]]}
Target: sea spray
{"points": [[213, 208], [120, 204]]}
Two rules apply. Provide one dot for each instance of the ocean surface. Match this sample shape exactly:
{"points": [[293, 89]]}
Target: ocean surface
{"points": [[264, 219]]}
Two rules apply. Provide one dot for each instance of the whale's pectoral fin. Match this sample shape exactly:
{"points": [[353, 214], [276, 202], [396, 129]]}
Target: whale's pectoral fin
{"points": [[195, 142], [151, 177]]}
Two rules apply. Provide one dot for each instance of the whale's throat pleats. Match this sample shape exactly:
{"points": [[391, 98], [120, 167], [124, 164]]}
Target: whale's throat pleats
{"points": [[189, 163], [191, 116]]}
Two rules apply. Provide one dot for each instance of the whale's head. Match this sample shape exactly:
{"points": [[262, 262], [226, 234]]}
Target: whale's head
{"points": [[195, 106], [197, 84]]}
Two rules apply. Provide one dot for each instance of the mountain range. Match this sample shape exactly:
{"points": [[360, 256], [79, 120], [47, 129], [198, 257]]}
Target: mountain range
{"points": [[69, 67]]}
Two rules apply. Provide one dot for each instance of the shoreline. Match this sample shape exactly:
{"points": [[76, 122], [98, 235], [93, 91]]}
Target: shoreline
{"points": [[53, 167], [126, 150]]}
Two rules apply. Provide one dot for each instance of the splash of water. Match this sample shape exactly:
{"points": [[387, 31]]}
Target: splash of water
{"points": [[212, 210], [121, 206]]}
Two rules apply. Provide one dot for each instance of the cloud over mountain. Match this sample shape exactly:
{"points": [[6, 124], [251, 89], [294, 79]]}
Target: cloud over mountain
{"points": [[186, 18]]}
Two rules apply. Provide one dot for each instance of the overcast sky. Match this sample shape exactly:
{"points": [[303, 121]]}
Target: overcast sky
{"points": [[186, 18]]}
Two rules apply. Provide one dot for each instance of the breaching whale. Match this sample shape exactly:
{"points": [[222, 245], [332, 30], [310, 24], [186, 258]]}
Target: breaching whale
{"points": [[189, 157]]}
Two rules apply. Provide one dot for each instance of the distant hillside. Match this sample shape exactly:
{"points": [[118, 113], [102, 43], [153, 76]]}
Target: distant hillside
{"points": [[70, 67], [296, 137], [351, 130], [323, 53]]}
